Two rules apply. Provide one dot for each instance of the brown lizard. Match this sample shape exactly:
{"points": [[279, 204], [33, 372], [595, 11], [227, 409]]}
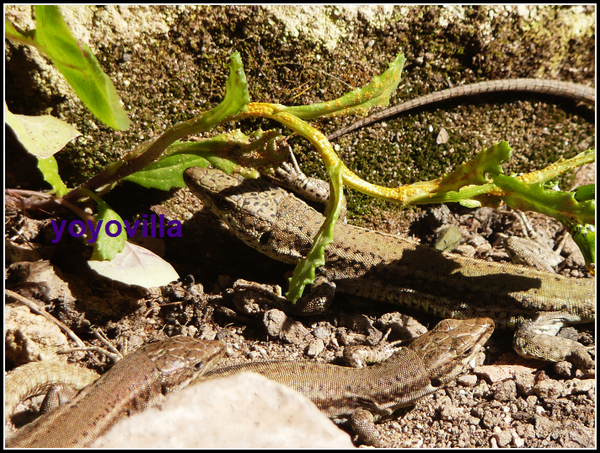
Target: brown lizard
{"points": [[362, 396], [132, 385], [568, 90], [386, 268]]}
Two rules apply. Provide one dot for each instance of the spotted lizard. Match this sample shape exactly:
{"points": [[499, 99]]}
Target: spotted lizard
{"points": [[362, 396], [387, 268]]}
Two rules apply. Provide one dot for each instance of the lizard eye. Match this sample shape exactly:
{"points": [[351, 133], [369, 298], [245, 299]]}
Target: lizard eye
{"points": [[222, 204], [436, 382], [264, 238]]}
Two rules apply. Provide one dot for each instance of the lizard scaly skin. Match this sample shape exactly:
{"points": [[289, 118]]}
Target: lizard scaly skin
{"points": [[133, 384], [568, 90], [360, 395], [38, 378], [365, 395], [386, 268]]}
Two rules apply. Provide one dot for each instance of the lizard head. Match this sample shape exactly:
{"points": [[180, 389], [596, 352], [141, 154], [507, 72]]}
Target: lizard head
{"points": [[248, 206], [452, 346], [181, 360]]}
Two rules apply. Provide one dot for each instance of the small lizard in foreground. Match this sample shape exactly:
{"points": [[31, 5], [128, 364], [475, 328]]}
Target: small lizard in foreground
{"points": [[568, 90], [365, 395], [389, 269], [132, 385], [360, 395]]}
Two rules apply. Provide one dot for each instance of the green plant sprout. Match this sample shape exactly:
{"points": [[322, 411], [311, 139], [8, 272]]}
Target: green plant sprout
{"points": [[159, 163]]}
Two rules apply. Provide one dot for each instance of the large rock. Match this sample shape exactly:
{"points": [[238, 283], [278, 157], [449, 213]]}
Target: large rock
{"points": [[241, 411]]}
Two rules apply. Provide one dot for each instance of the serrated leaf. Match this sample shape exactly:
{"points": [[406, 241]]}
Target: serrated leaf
{"points": [[479, 170], [136, 265], [43, 136], [533, 197], [304, 273], [358, 101]]}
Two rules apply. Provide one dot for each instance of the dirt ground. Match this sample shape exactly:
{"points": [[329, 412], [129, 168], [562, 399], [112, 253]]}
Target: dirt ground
{"points": [[177, 68]]}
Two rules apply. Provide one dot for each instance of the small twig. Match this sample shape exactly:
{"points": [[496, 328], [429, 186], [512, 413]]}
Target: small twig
{"points": [[40, 311], [314, 68], [99, 334], [300, 93], [19, 193], [116, 357], [25, 241]]}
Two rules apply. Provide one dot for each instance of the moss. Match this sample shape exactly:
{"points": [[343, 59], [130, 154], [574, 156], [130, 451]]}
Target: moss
{"points": [[178, 67]]}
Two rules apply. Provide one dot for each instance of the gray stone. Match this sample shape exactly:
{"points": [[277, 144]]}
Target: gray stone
{"points": [[241, 411]]}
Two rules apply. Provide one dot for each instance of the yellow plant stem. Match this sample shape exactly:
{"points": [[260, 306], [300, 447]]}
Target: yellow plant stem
{"points": [[418, 193], [404, 194]]}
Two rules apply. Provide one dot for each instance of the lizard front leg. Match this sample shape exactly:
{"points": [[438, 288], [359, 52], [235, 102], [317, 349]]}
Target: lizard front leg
{"points": [[363, 424], [314, 303], [311, 189], [537, 339]]}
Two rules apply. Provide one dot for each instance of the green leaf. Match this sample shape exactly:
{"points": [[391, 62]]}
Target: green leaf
{"points": [[49, 169], [358, 101], [79, 66], [168, 172], [533, 197], [107, 247], [235, 101], [479, 170], [585, 238], [236, 95], [43, 136], [471, 183], [14, 33], [584, 193], [304, 273], [233, 152]]}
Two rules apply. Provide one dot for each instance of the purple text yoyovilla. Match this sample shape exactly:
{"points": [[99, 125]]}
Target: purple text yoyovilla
{"points": [[149, 228]]}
